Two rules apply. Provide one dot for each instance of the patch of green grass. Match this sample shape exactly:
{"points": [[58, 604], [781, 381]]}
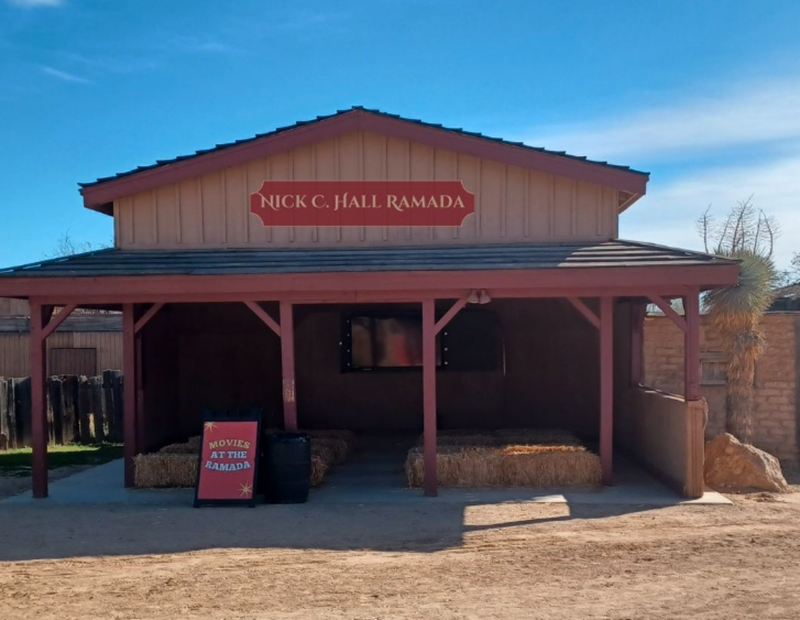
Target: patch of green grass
{"points": [[18, 462]]}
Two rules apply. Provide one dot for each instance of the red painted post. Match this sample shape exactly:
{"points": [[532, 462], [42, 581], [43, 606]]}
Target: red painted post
{"points": [[39, 315], [129, 368], [607, 388], [287, 366], [430, 482], [691, 345], [141, 423], [638, 311]]}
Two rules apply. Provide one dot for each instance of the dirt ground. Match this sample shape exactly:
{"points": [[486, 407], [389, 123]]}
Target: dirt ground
{"points": [[432, 559]]}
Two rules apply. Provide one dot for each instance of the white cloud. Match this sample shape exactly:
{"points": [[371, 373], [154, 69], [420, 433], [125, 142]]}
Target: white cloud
{"points": [[63, 75], [668, 212], [35, 4], [755, 113]]}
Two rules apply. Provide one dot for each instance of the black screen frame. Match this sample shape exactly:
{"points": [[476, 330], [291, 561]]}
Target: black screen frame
{"points": [[346, 343]]}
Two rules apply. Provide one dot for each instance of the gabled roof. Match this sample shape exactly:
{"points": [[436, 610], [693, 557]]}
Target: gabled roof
{"points": [[99, 194]]}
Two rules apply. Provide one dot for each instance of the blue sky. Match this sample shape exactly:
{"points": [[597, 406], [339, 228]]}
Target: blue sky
{"points": [[704, 95]]}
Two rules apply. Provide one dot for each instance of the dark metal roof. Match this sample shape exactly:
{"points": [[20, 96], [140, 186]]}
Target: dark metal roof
{"points": [[458, 130], [115, 262], [87, 322]]}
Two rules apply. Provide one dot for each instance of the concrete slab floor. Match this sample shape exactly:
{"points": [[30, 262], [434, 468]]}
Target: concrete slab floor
{"points": [[374, 475]]}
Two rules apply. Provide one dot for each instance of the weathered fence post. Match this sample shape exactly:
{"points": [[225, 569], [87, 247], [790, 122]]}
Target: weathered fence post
{"points": [[87, 418], [84, 409], [5, 435], [98, 402], [24, 411]]}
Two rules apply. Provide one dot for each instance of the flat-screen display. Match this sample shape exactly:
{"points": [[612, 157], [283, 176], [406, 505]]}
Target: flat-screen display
{"points": [[386, 341]]}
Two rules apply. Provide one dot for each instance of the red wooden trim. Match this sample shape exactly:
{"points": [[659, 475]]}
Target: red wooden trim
{"points": [[430, 478], [448, 316], [287, 366], [57, 319], [151, 312], [264, 316], [129, 368], [559, 282], [141, 422], [607, 388], [39, 317], [638, 311], [691, 348], [664, 306], [585, 310], [100, 196], [336, 297]]}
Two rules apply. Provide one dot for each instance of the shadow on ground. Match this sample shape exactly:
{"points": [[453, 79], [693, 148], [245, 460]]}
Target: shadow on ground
{"points": [[363, 505], [32, 532]]}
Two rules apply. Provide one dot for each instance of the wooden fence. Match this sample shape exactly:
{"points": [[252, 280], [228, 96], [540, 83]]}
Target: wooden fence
{"points": [[79, 409]]}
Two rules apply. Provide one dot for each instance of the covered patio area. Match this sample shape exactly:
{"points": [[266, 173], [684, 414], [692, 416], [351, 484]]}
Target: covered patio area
{"points": [[569, 315]]}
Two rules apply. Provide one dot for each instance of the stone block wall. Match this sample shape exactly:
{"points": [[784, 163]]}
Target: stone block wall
{"points": [[776, 386]]}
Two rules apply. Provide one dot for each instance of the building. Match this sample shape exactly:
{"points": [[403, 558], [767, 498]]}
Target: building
{"points": [[776, 426], [258, 272], [86, 344]]}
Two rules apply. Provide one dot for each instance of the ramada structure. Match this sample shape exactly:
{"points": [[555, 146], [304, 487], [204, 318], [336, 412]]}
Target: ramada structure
{"points": [[527, 314]]}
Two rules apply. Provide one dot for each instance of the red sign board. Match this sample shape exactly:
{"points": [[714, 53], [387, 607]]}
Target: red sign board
{"points": [[362, 203], [228, 462]]}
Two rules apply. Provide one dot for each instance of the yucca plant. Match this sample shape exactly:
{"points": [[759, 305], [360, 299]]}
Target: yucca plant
{"points": [[735, 312]]}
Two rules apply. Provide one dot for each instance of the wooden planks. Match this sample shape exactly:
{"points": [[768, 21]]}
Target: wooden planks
{"points": [[78, 409]]}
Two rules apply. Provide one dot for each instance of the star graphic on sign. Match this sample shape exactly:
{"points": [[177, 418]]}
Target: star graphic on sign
{"points": [[245, 490], [210, 426]]}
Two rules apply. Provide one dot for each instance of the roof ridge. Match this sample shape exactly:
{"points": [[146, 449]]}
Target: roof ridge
{"points": [[225, 145]]}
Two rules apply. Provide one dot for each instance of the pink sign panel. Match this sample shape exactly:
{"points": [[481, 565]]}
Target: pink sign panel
{"points": [[362, 203]]}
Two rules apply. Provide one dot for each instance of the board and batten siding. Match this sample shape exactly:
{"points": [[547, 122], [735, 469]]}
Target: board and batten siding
{"points": [[15, 350], [513, 204]]}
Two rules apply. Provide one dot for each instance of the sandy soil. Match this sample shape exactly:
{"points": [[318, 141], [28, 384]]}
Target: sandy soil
{"points": [[430, 560]]}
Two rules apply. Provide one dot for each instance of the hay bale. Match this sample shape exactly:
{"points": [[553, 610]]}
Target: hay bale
{"points": [[508, 466], [338, 448], [550, 466], [536, 436], [319, 469], [348, 437], [503, 437], [192, 446], [165, 470]]}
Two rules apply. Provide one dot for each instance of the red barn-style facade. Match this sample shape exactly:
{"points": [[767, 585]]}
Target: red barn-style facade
{"points": [[263, 273]]}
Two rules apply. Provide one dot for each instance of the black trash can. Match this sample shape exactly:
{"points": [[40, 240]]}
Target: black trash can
{"points": [[286, 468]]}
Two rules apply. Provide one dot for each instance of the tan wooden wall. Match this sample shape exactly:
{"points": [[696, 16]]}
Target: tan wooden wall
{"points": [[512, 204], [14, 307], [15, 350]]}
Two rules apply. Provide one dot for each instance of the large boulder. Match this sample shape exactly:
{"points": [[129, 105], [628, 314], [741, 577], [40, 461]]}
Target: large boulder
{"points": [[734, 466]]}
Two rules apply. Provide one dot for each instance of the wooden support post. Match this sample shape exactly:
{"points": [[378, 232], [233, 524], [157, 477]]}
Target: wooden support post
{"points": [[287, 366], [607, 388], [130, 370], [39, 318], [638, 311], [691, 345], [430, 482], [141, 422]]}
